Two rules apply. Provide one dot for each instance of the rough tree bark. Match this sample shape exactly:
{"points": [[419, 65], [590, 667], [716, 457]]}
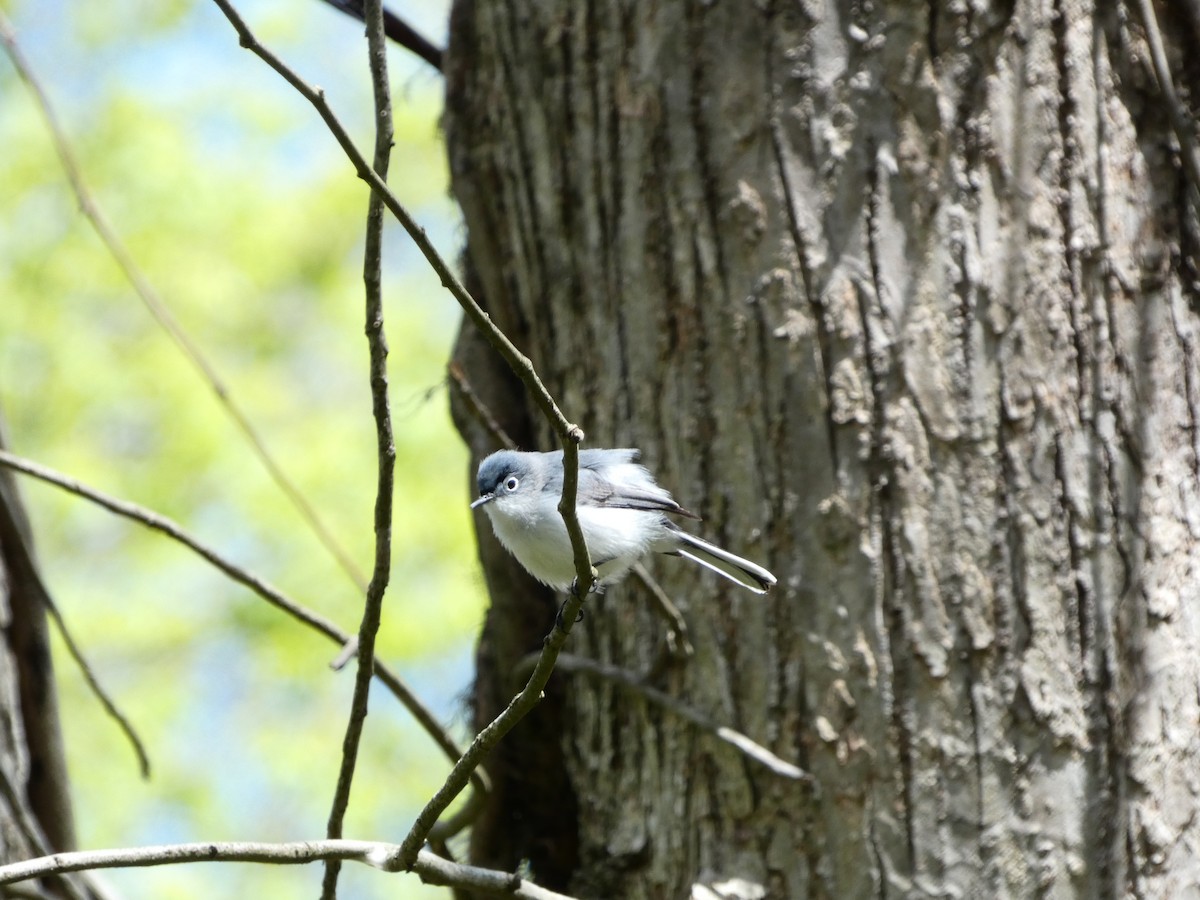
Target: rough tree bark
{"points": [[31, 751], [902, 298]]}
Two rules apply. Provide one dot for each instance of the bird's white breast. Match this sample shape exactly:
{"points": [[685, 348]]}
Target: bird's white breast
{"points": [[616, 539]]}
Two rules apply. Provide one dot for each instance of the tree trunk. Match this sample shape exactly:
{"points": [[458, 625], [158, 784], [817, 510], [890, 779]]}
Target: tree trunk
{"points": [[35, 806], [902, 299]]}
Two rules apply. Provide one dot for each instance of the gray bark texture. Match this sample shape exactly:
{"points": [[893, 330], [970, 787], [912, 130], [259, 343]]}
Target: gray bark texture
{"points": [[902, 299], [35, 805]]}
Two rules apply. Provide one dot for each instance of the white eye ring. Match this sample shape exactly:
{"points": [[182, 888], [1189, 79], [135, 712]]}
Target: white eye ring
{"points": [[511, 484]]}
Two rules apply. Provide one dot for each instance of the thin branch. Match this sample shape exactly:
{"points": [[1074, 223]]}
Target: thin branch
{"points": [[273, 596], [397, 30], [106, 701], [760, 754], [517, 709], [162, 314], [385, 446], [461, 819], [479, 409], [166, 526], [679, 643], [585, 574], [430, 868], [22, 554], [569, 434], [1180, 121], [519, 363]]}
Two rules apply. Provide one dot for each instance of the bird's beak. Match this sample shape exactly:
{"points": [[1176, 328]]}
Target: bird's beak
{"points": [[486, 498]]}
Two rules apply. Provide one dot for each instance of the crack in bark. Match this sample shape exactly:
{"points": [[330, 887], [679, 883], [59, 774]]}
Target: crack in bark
{"points": [[707, 178], [1107, 736], [974, 679], [526, 226], [698, 91], [892, 555], [880, 857], [1082, 634], [1067, 116], [1191, 390], [799, 240]]}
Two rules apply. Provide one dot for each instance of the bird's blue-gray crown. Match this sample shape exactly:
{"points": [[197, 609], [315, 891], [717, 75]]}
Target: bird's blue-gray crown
{"points": [[501, 467], [507, 471]]}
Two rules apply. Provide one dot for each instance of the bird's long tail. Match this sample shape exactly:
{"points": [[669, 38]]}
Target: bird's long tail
{"points": [[747, 574]]}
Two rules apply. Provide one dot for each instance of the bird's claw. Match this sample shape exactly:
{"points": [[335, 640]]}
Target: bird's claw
{"points": [[558, 618], [596, 588]]}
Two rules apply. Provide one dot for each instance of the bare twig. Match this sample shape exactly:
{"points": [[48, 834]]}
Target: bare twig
{"points": [[585, 574], [519, 363], [569, 434], [429, 867], [397, 30], [97, 688], [172, 530], [272, 595], [1180, 121], [21, 553], [385, 447], [571, 663], [479, 409], [679, 639], [460, 819], [161, 313], [432, 869], [516, 710]]}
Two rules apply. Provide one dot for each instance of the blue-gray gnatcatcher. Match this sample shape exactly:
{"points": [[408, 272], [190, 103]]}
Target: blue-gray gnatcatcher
{"points": [[622, 512]]}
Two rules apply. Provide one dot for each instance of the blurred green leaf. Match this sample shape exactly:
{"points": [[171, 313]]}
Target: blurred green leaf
{"points": [[241, 211]]}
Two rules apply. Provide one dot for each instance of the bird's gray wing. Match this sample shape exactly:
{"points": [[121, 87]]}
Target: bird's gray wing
{"points": [[618, 483]]}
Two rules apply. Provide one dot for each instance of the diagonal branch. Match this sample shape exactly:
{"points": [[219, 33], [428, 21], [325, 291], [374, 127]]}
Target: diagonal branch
{"points": [[462, 388], [490, 736], [272, 595], [519, 363], [162, 313], [397, 30], [93, 682], [569, 434], [1180, 120], [755, 751], [679, 643], [18, 537]]}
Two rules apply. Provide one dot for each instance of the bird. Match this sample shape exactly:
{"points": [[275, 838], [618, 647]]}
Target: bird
{"points": [[621, 509]]}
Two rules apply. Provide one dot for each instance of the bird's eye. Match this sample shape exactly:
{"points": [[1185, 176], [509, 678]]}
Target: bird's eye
{"points": [[511, 483]]}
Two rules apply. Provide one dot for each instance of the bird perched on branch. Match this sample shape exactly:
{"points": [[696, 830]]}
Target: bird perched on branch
{"points": [[622, 511]]}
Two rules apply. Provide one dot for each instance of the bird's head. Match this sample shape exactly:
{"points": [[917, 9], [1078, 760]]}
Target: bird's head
{"points": [[508, 481]]}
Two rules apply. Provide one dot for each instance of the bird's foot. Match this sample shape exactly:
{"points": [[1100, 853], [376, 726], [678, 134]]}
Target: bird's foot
{"points": [[597, 587], [558, 619]]}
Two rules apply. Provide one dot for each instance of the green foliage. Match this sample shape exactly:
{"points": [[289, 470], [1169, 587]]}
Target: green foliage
{"points": [[244, 215]]}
